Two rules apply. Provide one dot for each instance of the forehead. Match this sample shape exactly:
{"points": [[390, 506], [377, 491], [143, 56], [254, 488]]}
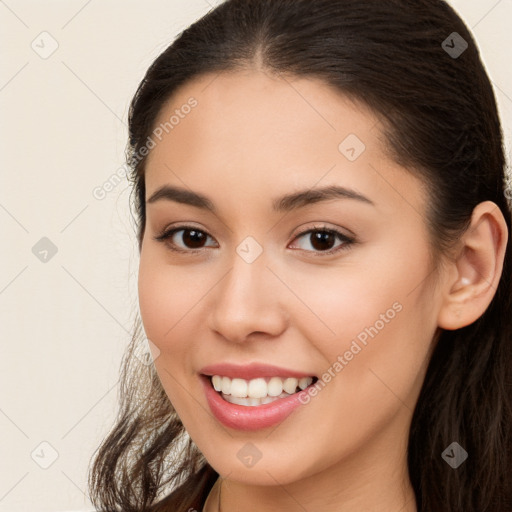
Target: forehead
{"points": [[251, 111], [256, 133]]}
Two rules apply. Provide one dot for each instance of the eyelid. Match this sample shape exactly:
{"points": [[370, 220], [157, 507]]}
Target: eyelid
{"points": [[319, 226], [169, 231], [348, 240]]}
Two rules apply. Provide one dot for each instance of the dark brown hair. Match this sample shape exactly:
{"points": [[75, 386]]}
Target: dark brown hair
{"points": [[442, 123]]}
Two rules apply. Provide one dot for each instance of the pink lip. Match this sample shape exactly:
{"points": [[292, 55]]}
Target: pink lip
{"points": [[241, 417], [250, 371]]}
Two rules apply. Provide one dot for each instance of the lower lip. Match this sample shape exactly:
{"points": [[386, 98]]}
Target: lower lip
{"points": [[241, 417]]}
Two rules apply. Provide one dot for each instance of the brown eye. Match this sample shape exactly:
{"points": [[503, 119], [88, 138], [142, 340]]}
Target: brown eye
{"points": [[192, 238], [323, 240], [189, 240]]}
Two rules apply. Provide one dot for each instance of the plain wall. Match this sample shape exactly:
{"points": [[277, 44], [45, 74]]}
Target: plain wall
{"points": [[66, 317]]}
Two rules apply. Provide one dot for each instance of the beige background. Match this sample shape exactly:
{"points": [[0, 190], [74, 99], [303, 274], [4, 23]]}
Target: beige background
{"points": [[65, 322]]}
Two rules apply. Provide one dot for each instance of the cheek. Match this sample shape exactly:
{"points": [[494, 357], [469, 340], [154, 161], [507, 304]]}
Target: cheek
{"points": [[360, 301], [387, 334], [165, 303], [165, 297], [154, 300], [374, 324], [173, 305], [164, 290]]}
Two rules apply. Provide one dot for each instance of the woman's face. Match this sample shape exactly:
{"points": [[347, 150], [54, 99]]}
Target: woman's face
{"points": [[259, 282]]}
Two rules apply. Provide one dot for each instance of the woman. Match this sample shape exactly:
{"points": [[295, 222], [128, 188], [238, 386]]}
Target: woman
{"points": [[325, 268]]}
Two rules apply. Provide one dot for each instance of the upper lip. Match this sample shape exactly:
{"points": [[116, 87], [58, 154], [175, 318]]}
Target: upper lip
{"points": [[251, 371]]}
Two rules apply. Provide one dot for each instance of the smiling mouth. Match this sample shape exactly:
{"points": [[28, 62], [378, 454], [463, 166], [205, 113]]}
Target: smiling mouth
{"points": [[260, 391]]}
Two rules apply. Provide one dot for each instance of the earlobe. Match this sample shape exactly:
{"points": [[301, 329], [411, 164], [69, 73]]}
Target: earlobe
{"points": [[476, 271]]}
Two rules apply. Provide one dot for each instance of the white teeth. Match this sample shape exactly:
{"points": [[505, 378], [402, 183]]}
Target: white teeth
{"points": [[257, 388], [290, 385], [275, 386], [217, 382], [226, 385], [239, 388], [305, 382], [260, 388], [251, 402]]}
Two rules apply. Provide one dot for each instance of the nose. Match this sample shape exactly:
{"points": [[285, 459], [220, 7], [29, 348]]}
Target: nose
{"points": [[248, 303]]}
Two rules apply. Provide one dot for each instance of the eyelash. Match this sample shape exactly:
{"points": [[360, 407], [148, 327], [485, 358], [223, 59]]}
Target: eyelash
{"points": [[347, 241]]}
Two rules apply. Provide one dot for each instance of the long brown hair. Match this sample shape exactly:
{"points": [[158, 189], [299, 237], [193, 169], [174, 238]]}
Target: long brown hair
{"points": [[442, 123]]}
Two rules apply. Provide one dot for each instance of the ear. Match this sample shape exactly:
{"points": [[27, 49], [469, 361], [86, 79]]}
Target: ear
{"points": [[474, 274]]}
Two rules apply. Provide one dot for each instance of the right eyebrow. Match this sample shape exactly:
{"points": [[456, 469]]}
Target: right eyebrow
{"points": [[182, 195]]}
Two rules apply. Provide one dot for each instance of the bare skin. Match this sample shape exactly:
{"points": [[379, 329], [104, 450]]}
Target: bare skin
{"points": [[250, 139]]}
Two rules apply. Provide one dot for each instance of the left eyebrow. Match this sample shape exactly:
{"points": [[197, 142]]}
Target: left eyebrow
{"points": [[284, 203], [305, 197]]}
